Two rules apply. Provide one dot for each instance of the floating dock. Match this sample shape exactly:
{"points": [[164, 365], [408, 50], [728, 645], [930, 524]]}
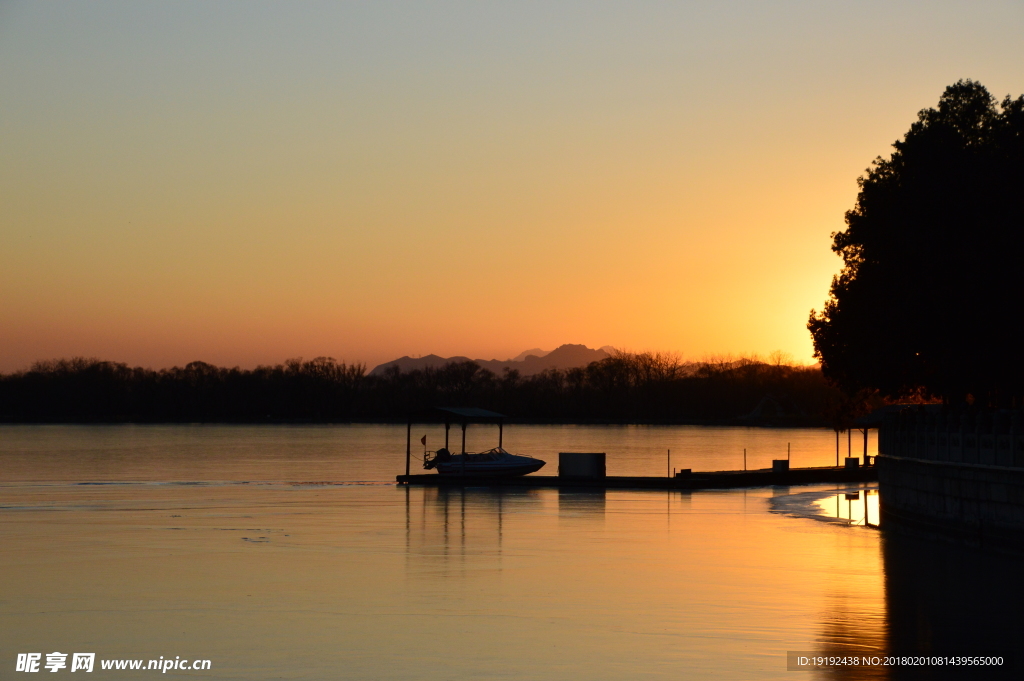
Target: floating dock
{"points": [[694, 481]]}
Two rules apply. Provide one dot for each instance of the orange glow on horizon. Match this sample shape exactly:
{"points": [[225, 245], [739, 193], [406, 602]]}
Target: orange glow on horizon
{"points": [[338, 182]]}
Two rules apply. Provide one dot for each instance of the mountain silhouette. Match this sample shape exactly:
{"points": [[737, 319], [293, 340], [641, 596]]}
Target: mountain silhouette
{"points": [[526, 353], [565, 356]]}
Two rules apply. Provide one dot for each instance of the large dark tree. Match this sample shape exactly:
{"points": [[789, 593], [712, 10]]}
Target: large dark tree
{"points": [[930, 297]]}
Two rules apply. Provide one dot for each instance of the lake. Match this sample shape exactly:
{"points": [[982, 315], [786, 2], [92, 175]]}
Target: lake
{"points": [[359, 452], [287, 552]]}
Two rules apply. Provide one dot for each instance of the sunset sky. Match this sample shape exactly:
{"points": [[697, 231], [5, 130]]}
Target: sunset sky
{"points": [[244, 182]]}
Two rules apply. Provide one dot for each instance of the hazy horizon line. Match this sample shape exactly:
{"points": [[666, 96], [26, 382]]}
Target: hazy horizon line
{"points": [[773, 357]]}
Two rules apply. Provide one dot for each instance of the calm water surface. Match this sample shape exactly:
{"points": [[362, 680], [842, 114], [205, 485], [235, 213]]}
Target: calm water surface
{"points": [[377, 452], [283, 552]]}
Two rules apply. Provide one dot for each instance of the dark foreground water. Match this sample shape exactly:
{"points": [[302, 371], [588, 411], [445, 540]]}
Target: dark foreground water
{"points": [[285, 553]]}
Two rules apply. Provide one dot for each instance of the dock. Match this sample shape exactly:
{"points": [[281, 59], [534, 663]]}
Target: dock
{"points": [[695, 481]]}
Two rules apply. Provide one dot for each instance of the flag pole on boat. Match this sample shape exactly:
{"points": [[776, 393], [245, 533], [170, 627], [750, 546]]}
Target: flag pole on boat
{"points": [[408, 445]]}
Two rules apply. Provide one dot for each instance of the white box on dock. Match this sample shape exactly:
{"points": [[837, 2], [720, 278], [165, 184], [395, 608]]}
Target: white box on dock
{"points": [[581, 464]]}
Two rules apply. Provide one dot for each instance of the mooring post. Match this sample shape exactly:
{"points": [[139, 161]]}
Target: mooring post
{"points": [[789, 450], [865, 446], [463, 447], [837, 455], [408, 445], [744, 458]]}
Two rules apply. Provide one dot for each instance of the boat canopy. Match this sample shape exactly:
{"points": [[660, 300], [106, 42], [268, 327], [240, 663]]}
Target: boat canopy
{"points": [[455, 415], [448, 416]]}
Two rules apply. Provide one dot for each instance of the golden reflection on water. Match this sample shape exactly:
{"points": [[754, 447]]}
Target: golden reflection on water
{"points": [[279, 580], [374, 452], [860, 507], [274, 579], [397, 582]]}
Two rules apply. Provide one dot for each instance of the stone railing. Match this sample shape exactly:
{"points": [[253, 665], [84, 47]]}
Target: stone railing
{"points": [[994, 438]]}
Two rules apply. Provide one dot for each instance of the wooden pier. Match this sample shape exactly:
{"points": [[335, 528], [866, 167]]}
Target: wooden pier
{"points": [[694, 481]]}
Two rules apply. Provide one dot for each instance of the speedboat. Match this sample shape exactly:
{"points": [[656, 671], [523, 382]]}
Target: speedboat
{"points": [[493, 463]]}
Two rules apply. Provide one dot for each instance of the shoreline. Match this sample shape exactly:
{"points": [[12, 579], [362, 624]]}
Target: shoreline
{"points": [[740, 423]]}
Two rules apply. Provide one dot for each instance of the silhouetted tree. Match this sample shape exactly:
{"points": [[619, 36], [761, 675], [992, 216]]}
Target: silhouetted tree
{"points": [[929, 295], [626, 387]]}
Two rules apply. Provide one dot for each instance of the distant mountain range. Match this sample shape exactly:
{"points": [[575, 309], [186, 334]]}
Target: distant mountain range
{"points": [[528, 362]]}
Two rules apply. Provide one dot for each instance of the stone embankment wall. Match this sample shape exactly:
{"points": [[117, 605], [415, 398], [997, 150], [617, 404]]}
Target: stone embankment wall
{"points": [[954, 474]]}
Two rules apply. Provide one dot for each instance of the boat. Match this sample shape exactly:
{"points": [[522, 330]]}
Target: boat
{"points": [[496, 462], [492, 463]]}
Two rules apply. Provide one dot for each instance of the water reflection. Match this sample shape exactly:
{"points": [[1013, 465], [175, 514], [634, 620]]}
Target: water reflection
{"points": [[442, 523], [570, 584], [943, 598], [852, 626], [860, 507], [373, 452], [453, 527], [853, 618], [889, 593], [587, 505]]}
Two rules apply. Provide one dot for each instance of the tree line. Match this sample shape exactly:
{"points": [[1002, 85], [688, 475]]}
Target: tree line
{"points": [[625, 388]]}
